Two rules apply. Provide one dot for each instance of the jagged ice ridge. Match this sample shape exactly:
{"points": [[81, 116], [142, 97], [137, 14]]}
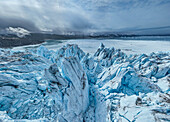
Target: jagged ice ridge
{"points": [[71, 86]]}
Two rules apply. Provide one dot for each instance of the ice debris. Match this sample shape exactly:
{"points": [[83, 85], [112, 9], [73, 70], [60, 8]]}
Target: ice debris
{"points": [[69, 85]]}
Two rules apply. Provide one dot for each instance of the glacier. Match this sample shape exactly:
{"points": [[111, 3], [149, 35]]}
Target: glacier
{"points": [[69, 85]]}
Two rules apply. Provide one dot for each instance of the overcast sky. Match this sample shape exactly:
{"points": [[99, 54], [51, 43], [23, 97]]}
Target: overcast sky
{"points": [[84, 15]]}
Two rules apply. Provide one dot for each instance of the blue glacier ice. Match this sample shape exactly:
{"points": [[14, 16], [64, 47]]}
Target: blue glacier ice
{"points": [[71, 86]]}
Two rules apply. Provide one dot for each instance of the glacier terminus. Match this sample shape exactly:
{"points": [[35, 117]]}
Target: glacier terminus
{"points": [[69, 85]]}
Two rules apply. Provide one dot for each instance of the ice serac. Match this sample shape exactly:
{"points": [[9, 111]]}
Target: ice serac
{"points": [[71, 86], [49, 91], [108, 56], [130, 89]]}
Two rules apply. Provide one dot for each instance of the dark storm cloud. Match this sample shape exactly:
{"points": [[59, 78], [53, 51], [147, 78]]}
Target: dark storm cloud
{"points": [[18, 22], [84, 15]]}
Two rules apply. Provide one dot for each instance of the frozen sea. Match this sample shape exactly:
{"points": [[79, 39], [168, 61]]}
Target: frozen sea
{"points": [[129, 45]]}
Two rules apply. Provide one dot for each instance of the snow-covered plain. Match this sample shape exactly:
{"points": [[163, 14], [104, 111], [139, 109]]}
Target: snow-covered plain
{"points": [[127, 46], [67, 84]]}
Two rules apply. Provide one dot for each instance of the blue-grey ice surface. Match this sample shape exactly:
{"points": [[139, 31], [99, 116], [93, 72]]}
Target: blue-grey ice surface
{"points": [[69, 85]]}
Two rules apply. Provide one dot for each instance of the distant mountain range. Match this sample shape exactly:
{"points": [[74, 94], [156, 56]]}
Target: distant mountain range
{"points": [[12, 37]]}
